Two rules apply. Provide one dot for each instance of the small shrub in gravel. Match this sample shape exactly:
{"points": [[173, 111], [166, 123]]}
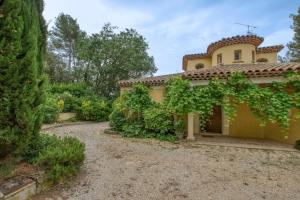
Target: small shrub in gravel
{"points": [[59, 157]]}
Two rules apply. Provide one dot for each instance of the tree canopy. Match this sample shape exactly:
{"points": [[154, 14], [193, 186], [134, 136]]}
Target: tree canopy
{"points": [[294, 45], [100, 59]]}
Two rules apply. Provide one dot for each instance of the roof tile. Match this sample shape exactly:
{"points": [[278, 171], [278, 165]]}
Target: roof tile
{"points": [[222, 72]]}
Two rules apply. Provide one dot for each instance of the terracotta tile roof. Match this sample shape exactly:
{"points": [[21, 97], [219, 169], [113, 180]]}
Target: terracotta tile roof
{"points": [[244, 39], [153, 81], [250, 70], [269, 49]]}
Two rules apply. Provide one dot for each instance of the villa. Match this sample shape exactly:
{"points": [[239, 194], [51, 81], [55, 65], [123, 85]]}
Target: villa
{"points": [[235, 54]]}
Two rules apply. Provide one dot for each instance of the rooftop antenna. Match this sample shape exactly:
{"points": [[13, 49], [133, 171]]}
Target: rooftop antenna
{"points": [[249, 27]]}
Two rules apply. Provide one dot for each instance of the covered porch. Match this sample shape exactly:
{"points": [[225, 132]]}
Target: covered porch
{"points": [[244, 127]]}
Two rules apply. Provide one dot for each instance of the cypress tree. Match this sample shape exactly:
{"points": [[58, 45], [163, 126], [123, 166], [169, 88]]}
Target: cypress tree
{"points": [[22, 47]]}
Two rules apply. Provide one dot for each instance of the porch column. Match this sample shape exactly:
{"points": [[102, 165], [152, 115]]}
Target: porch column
{"points": [[225, 123], [190, 126]]}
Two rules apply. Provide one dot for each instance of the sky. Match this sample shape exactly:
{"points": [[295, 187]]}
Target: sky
{"points": [[173, 28]]}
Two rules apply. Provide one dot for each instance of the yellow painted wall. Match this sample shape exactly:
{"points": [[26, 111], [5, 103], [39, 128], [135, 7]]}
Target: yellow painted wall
{"points": [[192, 63], [245, 124], [272, 57], [273, 131], [157, 93], [228, 53]]}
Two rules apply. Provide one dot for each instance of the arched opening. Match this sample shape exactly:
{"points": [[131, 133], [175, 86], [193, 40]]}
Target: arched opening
{"points": [[262, 60]]}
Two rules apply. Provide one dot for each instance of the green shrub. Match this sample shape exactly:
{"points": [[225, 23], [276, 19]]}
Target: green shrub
{"points": [[135, 129], [297, 144], [116, 120], [158, 120], [42, 142], [59, 157], [94, 110], [51, 110], [22, 49], [71, 103], [75, 89]]}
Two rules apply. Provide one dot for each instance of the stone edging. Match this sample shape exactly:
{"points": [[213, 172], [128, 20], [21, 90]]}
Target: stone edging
{"points": [[50, 126], [20, 188]]}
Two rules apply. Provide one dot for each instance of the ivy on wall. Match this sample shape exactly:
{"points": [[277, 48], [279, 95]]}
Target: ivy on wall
{"points": [[271, 103]]}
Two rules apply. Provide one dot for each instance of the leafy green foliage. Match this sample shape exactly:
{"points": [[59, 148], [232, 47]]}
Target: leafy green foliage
{"points": [[268, 104], [51, 110], [22, 47], [94, 110], [59, 157], [135, 115], [159, 120], [32, 151], [71, 103], [178, 97], [100, 59], [117, 119], [294, 46], [112, 55], [75, 89], [138, 99]]}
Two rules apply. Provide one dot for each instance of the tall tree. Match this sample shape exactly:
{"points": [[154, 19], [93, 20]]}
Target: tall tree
{"points": [[22, 47], [111, 56], [55, 68], [64, 37], [294, 46]]}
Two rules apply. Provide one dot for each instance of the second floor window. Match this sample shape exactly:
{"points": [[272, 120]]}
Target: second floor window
{"points": [[238, 55], [253, 56], [219, 59]]}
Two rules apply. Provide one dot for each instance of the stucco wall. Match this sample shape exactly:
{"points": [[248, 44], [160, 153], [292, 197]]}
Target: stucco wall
{"points": [[228, 53], [273, 131], [157, 93], [192, 63], [272, 57], [245, 124]]}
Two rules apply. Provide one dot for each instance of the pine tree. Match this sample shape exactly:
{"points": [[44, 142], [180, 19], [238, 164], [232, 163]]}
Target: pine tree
{"points": [[294, 46], [22, 47]]}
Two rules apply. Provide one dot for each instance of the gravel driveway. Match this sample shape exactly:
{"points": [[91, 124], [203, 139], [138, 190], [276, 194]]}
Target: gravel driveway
{"points": [[135, 169]]}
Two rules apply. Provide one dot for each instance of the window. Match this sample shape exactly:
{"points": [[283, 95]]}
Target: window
{"points": [[199, 66], [253, 56], [238, 55], [219, 59]]}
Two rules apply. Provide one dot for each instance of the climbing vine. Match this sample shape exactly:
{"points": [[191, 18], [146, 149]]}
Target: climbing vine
{"points": [[271, 103]]}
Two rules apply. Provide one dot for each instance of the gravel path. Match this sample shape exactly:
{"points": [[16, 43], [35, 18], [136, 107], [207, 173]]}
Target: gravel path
{"points": [[134, 169]]}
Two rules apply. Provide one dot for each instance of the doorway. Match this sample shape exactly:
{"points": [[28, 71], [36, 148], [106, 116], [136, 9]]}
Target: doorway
{"points": [[214, 124]]}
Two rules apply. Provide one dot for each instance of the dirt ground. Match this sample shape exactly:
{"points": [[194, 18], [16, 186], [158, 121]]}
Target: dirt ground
{"points": [[134, 169]]}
